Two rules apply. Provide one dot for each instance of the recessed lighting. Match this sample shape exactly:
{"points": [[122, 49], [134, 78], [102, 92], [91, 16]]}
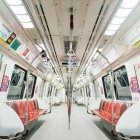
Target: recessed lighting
{"points": [[129, 3], [14, 2], [18, 10], [96, 55], [125, 9], [100, 49], [122, 12], [117, 20], [113, 27], [23, 18], [108, 32], [39, 48], [43, 47], [27, 24]]}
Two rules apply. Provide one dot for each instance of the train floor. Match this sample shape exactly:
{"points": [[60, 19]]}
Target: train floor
{"points": [[54, 126]]}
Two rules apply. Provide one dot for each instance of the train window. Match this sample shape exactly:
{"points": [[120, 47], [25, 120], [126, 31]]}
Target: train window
{"points": [[121, 87], [31, 84], [107, 86], [16, 89], [122, 77], [122, 84]]}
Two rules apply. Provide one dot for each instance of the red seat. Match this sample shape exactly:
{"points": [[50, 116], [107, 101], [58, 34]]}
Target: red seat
{"points": [[108, 114], [36, 103], [14, 107], [22, 110], [118, 110], [33, 110], [105, 109]]}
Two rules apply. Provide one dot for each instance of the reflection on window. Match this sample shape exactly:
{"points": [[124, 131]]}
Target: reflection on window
{"points": [[121, 87], [107, 86], [122, 84], [122, 78], [16, 89], [31, 85]]}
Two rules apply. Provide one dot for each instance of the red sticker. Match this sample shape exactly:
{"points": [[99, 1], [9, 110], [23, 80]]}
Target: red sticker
{"points": [[25, 52]]}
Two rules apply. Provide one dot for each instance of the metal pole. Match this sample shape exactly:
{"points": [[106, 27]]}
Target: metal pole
{"points": [[112, 87], [27, 87]]}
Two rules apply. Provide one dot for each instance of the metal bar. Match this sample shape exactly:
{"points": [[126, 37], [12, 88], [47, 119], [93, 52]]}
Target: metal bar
{"points": [[27, 88], [112, 86]]}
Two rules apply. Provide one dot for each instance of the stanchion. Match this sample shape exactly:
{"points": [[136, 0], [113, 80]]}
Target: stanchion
{"points": [[27, 88], [111, 89]]}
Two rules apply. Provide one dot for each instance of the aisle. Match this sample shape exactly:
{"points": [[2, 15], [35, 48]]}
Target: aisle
{"points": [[83, 126]]}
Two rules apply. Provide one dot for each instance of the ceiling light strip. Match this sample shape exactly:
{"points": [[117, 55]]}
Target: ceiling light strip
{"points": [[122, 13], [20, 12]]}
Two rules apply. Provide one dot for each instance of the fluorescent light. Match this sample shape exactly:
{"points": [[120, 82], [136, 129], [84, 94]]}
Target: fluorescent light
{"points": [[129, 3], [18, 10], [43, 47], [122, 12], [14, 2], [23, 18], [125, 9], [96, 55], [113, 27], [27, 24], [100, 49], [117, 20], [109, 32], [39, 49]]}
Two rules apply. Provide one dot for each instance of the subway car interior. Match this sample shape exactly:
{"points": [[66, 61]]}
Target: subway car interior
{"points": [[69, 69]]}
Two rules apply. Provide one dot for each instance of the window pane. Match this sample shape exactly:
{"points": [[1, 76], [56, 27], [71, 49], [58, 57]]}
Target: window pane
{"points": [[31, 85], [16, 89], [107, 86], [122, 84]]}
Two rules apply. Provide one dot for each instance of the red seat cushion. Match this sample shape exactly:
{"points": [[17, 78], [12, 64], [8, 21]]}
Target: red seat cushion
{"points": [[117, 111], [33, 110], [36, 104]]}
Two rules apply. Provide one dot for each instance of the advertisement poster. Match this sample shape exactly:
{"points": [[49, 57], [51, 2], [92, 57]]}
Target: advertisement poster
{"points": [[5, 32], [134, 84], [5, 83]]}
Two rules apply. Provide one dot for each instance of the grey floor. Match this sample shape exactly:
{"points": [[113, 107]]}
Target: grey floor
{"points": [[54, 126]]}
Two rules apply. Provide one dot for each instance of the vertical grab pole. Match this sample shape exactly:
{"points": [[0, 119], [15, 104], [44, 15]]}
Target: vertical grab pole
{"points": [[69, 100], [70, 52], [27, 88], [112, 87]]}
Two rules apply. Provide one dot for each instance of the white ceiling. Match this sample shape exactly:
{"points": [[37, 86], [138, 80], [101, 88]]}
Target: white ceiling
{"points": [[58, 19]]}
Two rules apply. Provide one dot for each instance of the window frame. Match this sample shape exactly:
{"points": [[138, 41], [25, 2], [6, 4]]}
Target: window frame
{"points": [[21, 94], [115, 87]]}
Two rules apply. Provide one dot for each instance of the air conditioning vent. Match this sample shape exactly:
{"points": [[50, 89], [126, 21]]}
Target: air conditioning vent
{"points": [[67, 42], [67, 46], [41, 68]]}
